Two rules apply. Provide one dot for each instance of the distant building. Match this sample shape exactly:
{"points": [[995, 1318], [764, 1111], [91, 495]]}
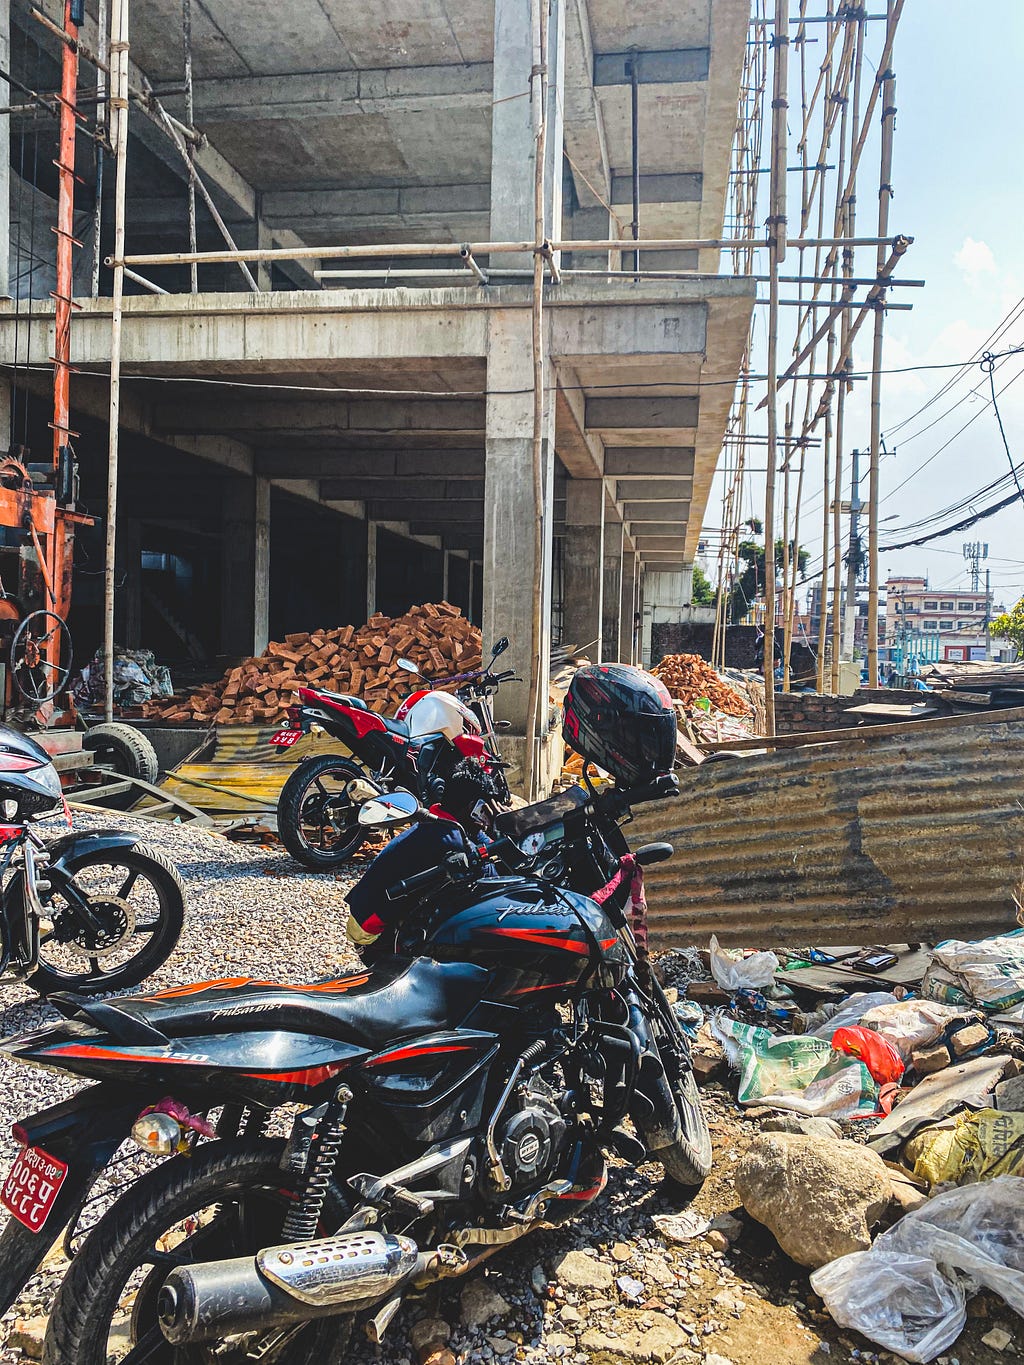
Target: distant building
{"points": [[947, 624]]}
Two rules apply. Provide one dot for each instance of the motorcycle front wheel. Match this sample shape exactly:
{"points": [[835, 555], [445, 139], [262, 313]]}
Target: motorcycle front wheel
{"points": [[687, 1160], [316, 817], [228, 1200], [138, 901]]}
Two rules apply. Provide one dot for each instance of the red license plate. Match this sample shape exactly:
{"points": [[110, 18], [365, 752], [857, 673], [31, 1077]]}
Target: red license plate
{"points": [[286, 738], [31, 1188]]}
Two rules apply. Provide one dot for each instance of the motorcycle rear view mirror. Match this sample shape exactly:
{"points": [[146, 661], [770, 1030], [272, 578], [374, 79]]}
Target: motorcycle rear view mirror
{"points": [[499, 647], [389, 810], [408, 665], [648, 854]]}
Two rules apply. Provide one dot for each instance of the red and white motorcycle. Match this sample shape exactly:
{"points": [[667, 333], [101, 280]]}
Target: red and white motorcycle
{"points": [[427, 743]]}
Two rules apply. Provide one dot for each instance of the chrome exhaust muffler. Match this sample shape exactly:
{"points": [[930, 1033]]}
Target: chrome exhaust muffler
{"points": [[290, 1284]]}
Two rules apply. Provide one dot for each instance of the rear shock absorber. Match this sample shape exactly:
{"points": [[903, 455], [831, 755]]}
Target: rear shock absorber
{"points": [[303, 1219]]}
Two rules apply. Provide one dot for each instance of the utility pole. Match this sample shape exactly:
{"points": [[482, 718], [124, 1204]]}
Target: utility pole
{"points": [[853, 560], [988, 610], [974, 552]]}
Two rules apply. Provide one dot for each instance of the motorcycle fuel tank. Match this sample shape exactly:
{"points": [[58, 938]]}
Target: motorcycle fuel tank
{"points": [[438, 713], [533, 939]]}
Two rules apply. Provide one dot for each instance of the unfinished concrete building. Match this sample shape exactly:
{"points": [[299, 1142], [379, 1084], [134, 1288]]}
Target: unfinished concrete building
{"points": [[337, 434]]}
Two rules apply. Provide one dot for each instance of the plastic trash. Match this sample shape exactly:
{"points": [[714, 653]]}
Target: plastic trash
{"points": [[877, 1054], [976, 1146], [851, 1011], [690, 1016], [991, 970], [910, 1024], [734, 972], [795, 1072], [908, 1293]]}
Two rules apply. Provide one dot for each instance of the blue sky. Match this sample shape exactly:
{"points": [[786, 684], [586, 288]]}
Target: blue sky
{"points": [[959, 191]]}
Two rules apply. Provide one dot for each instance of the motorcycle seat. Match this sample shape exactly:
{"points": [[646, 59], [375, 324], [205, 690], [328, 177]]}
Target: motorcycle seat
{"points": [[397, 998], [395, 727], [341, 699]]}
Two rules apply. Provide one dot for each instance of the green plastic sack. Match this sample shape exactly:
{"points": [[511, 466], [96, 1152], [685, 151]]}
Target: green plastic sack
{"points": [[796, 1072]]}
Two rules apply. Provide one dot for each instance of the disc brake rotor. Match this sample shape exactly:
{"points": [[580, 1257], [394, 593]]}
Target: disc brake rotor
{"points": [[116, 923]]}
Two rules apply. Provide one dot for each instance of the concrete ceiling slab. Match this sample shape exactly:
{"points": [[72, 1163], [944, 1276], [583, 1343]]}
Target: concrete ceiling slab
{"points": [[653, 490], [637, 512], [649, 461]]}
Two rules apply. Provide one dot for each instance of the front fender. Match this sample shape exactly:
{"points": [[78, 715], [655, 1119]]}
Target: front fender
{"points": [[84, 1132], [66, 851]]}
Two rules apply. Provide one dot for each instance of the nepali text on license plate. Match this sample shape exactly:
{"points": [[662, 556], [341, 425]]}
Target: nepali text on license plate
{"points": [[286, 738], [31, 1188]]}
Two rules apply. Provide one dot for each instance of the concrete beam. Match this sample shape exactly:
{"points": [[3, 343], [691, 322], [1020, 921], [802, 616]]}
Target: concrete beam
{"points": [[679, 187], [422, 509], [636, 512], [644, 462], [418, 490], [648, 329], [340, 211], [405, 415], [651, 413], [652, 490], [387, 92], [668, 67], [658, 528], [442, 463], [659, 543]]}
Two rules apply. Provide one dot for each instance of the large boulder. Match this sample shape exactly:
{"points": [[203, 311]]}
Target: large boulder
{"points": [[819, 1196]]}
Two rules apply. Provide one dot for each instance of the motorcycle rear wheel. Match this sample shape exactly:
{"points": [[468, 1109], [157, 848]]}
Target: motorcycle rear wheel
{"points": [[316, 819], [105, 1309]]}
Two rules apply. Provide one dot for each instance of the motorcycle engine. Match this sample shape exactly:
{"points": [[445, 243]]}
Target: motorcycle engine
{"points": [[534, 1136]]}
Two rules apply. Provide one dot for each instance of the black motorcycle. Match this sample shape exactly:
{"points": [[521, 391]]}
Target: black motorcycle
{"points": [[87, 912], [449, 1105]]}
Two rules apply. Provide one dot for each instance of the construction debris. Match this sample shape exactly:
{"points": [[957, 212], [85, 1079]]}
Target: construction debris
{"points": [[361, 662], [692, 681]]}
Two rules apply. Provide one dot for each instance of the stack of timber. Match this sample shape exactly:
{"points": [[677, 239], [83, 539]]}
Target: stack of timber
{"points": [[362, 662], [977, 684]]}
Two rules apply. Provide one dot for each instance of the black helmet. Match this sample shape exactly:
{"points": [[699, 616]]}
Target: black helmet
{"points": [[27, 776], [622, 719]]}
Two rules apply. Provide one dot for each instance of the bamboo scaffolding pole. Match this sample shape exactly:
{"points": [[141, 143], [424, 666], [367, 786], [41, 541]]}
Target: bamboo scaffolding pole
{"points": [[119, 114], [236, 256], [538, 94], [186, 34], [888, 81], [785, 545], [777, 225], [102, 24]]}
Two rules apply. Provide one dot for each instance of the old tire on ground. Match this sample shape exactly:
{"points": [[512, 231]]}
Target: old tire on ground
{"points": [[241, 1179], [317, 822], [125, 750]]}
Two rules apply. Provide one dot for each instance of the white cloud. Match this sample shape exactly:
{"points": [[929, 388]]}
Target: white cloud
{"points": [[974, 259]]}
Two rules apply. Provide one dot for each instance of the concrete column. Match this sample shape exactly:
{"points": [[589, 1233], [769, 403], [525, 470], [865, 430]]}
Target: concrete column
{"points": [[627, 606], [245, 566], [513, 144], [511, 573], [612, 645], [583, 561], [6, 401], [264, 240], [5, 181], [444, 575], [371, 568]]}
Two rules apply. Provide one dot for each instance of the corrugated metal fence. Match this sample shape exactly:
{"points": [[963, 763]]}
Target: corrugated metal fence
{"points": [[863, 841]]}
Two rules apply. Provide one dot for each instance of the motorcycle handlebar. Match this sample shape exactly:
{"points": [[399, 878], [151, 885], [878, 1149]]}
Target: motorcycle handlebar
{"points": [[433, 878]]}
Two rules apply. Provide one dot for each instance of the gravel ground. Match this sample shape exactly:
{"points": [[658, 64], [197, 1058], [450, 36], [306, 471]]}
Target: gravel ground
{"points": [[625, 1292]]}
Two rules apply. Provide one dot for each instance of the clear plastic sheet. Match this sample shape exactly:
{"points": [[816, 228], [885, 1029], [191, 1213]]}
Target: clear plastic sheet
{"points": [[908, 1293]]}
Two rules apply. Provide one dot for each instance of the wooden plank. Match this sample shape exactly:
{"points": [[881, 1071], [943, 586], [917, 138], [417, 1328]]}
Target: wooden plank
{"points": [[903, 729]]}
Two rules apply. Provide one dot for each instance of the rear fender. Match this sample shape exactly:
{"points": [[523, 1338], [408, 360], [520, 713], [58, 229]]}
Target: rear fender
{"points": [[68, 851], [84, 1132]]}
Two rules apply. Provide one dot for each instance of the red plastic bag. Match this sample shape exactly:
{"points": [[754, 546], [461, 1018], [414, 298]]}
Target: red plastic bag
{"points": [[876, 1052]]}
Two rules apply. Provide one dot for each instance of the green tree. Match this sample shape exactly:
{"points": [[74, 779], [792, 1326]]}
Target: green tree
{"points": [[751, 581], [703, 592], [1010, 626]]}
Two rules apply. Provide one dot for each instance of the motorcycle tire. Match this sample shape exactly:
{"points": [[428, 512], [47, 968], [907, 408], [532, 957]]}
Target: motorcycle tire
{"points": [[158, 932], [687, 1160], [243, 1181], [301, 803]]}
